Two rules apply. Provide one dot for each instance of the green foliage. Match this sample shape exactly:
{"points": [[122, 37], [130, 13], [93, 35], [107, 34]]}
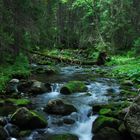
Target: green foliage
{"points": [[20, 67], [119, 60], [126, 66]]}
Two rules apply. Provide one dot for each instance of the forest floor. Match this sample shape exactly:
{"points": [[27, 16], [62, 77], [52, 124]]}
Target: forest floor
{"points": [[123, 66]]}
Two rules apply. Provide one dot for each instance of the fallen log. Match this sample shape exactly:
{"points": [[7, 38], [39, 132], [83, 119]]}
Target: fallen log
{"points": [[62, 59], [102, 58]]}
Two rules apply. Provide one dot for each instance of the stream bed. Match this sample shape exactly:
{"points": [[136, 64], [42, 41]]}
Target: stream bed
{"points": [[83, 118]]}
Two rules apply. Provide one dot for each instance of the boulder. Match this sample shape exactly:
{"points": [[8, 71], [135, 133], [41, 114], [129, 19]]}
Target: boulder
{"points": [[24, 86], [39, 87], [73, 86], [26, 119], [107, 133], [3, 134], [103, 121], [12, 86], [34, 87], [132, 119], [58, 107]]}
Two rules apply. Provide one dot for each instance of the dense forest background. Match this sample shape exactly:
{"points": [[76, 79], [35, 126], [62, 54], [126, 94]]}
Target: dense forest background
{"points": [[68, 30], [71, 67], [98, 24]]}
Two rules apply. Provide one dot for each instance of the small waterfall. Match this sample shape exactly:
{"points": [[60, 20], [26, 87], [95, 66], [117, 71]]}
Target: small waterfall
{"points": [[84, 129], [56, 87], [84, 124]]}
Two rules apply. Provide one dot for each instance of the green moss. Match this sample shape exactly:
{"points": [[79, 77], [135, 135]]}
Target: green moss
{"points": [[41, 117], [105, 111], [73, 86], [126, 66], [19, 102], [110, 108], [103, 121], [27, 119], [63, 137]]}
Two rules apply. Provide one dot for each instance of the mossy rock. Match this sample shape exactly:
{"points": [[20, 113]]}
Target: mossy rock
{"points": [[105, 111], [73, 87], [113, 106], [61, 137], [59, 107], [97, 107], [26, 119], [33, 87], [18, 102], [103, 121]]}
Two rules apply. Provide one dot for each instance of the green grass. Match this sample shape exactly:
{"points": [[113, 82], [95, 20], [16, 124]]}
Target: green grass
{"points": [[125, 66], [20, 67]]}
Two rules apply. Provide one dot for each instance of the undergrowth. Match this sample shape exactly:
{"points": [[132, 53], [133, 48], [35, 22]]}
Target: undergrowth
{"points": [[7, 71], [125, 66]]}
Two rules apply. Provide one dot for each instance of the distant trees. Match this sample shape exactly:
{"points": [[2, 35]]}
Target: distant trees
{"points": [[20, 21], [68, 24], [94, 23]]}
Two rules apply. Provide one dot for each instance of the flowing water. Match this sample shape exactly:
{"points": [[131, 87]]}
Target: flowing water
{"points": [[84, 118]]}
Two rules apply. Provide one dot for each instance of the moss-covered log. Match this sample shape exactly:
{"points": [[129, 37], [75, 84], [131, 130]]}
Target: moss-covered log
{"points": [[61, 59]]}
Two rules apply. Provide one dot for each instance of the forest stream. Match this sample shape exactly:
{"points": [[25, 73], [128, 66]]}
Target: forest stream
{"points": [[74, 103], [82, 120]]}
